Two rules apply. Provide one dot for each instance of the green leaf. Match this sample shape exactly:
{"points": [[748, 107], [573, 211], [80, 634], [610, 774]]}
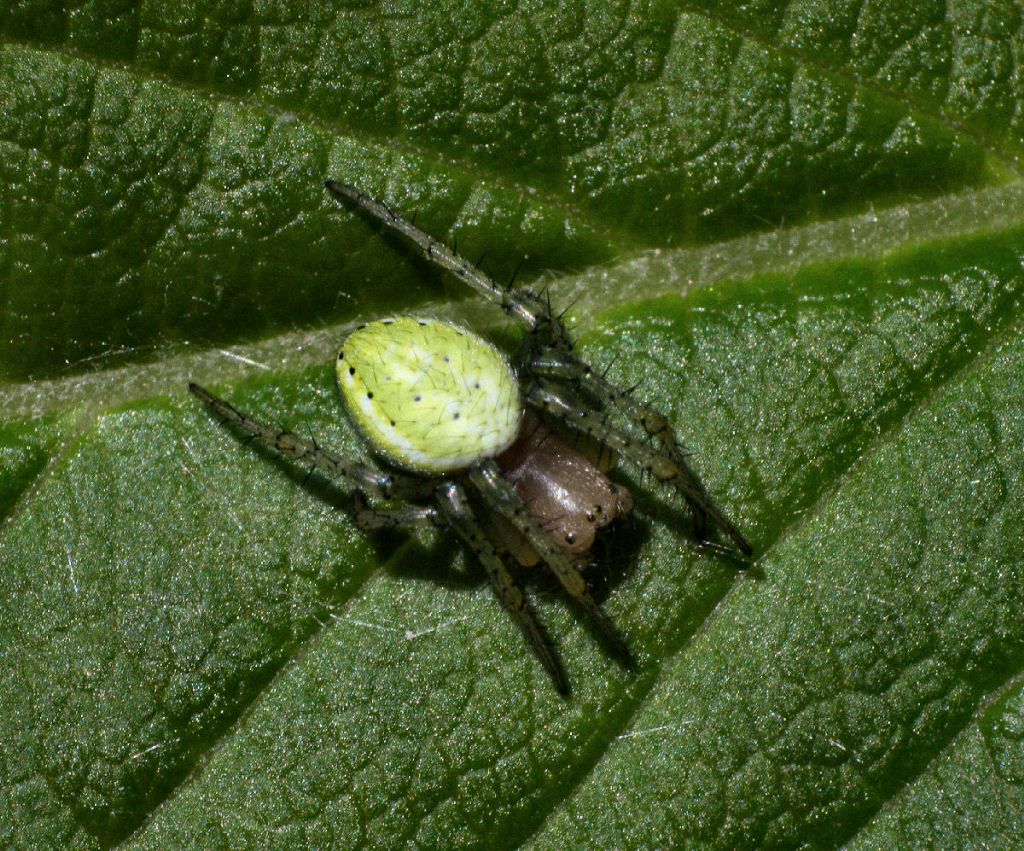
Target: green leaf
{"points": [[796, 227]]}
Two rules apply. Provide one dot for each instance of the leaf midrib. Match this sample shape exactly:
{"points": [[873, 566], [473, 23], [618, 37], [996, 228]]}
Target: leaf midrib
{"points": [[672, 272]]}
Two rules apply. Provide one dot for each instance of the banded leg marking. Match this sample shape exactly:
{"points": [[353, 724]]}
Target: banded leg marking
{"points": [[455, 508], [500, 496], [290, 445]]}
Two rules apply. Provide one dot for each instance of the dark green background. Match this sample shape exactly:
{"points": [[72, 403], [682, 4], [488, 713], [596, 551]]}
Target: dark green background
{"points": [[796, 225]]}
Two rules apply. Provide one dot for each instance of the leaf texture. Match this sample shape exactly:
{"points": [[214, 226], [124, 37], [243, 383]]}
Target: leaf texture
{"points": [[794, 226]]}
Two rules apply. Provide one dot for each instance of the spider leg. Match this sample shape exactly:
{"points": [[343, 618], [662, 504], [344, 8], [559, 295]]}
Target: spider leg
{"points": [[524, 305], [409, 517], [290, 445], [456, 511], [668, 465], [500, 496]]}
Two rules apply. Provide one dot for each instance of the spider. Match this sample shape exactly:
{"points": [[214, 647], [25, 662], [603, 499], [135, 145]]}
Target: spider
{"points": [[464, 440]]}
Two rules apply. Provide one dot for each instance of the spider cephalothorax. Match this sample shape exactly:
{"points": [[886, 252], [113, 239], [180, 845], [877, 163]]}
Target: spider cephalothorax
{"points": [[466, 439]]}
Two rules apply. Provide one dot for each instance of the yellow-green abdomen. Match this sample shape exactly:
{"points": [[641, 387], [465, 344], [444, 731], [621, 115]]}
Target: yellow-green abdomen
{"points": [[428, 396]]}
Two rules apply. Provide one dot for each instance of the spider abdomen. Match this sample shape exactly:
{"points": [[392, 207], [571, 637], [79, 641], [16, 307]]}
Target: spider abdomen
{"points": [[428, 396]]}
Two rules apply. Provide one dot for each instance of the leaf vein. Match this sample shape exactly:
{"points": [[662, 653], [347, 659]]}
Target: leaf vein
{"points": [[478, 172], [899, 98]]}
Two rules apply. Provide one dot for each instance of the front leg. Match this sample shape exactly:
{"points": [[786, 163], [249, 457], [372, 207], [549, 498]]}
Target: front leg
{"points": [[523, 304], [290, 445], [668, 465]]}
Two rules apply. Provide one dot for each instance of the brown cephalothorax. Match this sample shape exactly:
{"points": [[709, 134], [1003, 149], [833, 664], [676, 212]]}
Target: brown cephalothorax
{"points": [[564, 489]]}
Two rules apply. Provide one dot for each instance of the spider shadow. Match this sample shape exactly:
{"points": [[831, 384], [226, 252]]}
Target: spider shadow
{"points": [[662, 509], [612, 559], [402, 551], [610, 562], [615, 556], [446, 562], [442, 561]]}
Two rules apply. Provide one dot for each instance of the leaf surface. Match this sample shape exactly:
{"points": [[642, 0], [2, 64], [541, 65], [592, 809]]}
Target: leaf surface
{"points": [[796, 227]]}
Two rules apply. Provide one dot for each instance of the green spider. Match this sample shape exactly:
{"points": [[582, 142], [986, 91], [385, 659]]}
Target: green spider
{"points": [[467, 440]]}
